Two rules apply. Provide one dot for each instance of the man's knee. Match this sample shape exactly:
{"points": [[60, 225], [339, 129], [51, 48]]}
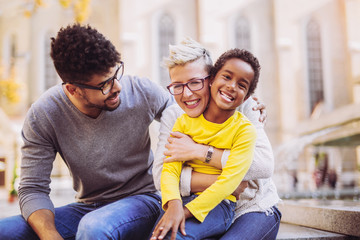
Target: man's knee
{"points": [[91, 227], [16, 227]]}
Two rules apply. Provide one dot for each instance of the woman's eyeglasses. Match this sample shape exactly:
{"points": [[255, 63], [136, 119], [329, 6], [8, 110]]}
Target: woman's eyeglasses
{"points": [[193, 85]]}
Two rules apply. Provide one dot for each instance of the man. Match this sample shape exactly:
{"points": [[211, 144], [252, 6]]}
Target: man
{"points": [[98, 121]]}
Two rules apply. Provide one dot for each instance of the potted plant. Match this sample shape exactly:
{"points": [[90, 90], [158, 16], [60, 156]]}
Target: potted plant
{"points": [[13, 192], [12, 195]]}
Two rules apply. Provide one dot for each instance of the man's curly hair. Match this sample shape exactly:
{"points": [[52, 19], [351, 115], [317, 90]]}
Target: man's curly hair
{"points": [[79, 52], [241, 54]]}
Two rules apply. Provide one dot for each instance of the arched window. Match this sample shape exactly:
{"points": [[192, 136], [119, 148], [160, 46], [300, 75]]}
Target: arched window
{"points": [[166, 37], [314, 61], [51, 78], [242, 33]]}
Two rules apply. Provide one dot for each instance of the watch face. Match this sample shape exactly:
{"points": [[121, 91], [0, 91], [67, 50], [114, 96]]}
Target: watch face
{"points": [[209, 154]]}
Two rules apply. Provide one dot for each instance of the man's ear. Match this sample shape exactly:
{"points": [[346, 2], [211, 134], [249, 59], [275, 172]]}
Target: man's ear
{"points": [[71, 88]]}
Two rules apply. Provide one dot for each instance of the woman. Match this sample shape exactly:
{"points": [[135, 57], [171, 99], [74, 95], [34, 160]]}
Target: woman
{"points": [[256, 206]]}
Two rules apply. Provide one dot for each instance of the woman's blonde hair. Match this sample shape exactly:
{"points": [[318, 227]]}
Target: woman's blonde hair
{"points": [[188, 50]]}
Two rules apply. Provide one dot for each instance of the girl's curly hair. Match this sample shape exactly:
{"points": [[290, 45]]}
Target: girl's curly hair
{"points": [[79, 52], [241, 54]]}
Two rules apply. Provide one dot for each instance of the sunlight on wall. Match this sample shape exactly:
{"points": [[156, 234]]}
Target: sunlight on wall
{"points": [[80, 8]]}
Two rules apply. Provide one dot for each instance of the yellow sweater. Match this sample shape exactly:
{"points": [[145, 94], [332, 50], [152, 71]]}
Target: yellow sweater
{"points": [[236, 133]]}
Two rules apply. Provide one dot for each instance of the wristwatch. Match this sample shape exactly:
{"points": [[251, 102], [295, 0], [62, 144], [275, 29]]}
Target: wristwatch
{"points": [[209, 154]]}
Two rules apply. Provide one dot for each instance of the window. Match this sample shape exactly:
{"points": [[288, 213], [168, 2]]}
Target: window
{"points": [[314, 61], [50, 72], [242, 33], [166, 37]]}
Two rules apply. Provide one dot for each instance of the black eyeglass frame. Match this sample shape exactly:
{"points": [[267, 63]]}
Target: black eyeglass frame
{"points": [[103, 83], [186, 84]]}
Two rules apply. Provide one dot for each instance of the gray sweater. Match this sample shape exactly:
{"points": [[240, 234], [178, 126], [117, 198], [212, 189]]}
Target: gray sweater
{"points": [[108, 157]]}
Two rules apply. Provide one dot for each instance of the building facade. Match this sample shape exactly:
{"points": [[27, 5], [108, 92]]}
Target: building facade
{"points": [[309, 52]]}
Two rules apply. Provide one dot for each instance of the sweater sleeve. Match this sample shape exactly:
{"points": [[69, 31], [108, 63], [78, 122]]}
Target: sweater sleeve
{"points": [[167, 121], [263, 162], [38, 155], [170, 175], [237, 165]]}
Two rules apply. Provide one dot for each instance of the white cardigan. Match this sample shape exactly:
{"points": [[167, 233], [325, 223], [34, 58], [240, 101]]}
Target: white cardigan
{"points": [[260, 195]]}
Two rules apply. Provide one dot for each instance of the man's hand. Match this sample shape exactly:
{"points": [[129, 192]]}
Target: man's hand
{"points": [[240, 189], [173, 219], [262, 108], [182, 148]]}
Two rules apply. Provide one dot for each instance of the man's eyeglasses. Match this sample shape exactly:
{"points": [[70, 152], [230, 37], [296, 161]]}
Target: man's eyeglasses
{"points": [[108, 84], [194, 85]]}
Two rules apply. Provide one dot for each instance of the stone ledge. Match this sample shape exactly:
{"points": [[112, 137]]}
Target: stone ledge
{"points": [[337, 117], [295, 232], [336, 216]]}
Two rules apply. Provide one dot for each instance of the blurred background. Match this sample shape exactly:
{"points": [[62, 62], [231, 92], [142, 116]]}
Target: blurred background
{"points": [[310, 78]]}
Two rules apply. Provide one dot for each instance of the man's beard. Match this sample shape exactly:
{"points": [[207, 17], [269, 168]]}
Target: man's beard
{"points": [[104, 106]]}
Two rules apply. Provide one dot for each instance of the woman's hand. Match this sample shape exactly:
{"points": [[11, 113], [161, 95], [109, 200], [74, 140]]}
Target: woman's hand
{"points": [[173, 219], [182, 148], [240, 189], [262, 108]]}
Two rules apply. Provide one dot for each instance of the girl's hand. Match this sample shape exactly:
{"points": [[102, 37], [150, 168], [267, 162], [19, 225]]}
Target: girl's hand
{"points": [[173, 219]]}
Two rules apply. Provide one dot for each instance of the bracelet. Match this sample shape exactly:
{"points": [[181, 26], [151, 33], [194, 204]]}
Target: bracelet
{"points": [[209, 154]]}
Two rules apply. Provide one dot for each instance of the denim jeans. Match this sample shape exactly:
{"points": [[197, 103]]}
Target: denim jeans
{"points": [[254, 226], [128, 218], [216, 222]]}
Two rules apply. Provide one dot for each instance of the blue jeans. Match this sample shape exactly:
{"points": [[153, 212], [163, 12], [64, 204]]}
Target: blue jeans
{"points": [[128, 218], [216, 222], [254, 226]]}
